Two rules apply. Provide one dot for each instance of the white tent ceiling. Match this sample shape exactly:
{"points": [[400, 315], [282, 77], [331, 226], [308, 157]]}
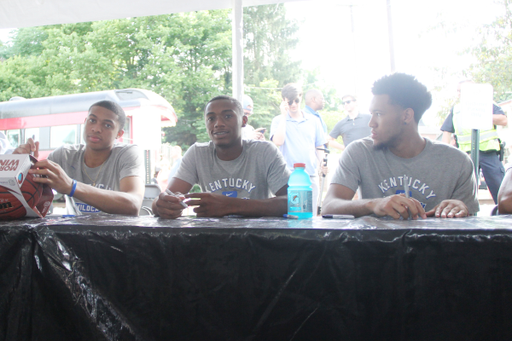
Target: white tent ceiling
{"points": [[26, 13]]}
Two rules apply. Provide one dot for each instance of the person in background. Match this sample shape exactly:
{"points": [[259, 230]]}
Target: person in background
{"points": [[298, 134], [154, 179], [5, 146], [248, 131], [237, 176], [351, 128], [315, 101], [489, 160], [400, 173], [505, 193], [100, 175]]}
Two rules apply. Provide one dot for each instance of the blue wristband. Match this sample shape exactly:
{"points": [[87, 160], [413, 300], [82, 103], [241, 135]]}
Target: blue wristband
{"points": [[73, 189]]}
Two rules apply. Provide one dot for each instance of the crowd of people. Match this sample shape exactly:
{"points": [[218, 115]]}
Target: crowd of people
{"points": [[395, 171]]}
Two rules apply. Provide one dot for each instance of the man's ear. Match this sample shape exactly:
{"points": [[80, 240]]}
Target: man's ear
{"points": [[244, 120], [120, 134], [408, 116]]}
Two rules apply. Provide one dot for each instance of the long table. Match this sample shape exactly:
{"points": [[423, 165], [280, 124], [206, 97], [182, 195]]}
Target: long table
{"points": [[118, 278]]}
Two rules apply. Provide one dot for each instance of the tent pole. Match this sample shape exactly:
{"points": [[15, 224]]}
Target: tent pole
{"points": [[238, 57]]}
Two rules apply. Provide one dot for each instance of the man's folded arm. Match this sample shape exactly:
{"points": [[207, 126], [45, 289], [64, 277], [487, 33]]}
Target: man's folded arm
{"points": [[338, 200], [275, 207], [127, 200], [213, 205]]}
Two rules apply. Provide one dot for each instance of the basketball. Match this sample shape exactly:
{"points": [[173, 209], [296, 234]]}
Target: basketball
{"points": [[31, 190], [10, 206]]}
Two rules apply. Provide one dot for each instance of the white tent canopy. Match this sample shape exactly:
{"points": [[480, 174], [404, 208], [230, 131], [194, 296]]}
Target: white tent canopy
{"points": [[27, 13]]}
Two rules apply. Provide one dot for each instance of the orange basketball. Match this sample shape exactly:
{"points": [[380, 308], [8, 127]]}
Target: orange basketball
{"points": [[31, 190], [10, 206]]}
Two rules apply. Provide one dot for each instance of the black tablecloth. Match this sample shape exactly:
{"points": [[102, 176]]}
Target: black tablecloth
{"points": [[118, 278]]}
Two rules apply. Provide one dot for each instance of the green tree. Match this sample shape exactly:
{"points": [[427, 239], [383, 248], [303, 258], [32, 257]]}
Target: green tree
{"points": [[269, 42], [184, 57], [494, 54]]}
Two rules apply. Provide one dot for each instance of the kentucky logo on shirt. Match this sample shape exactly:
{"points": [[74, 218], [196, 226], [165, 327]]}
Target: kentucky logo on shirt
{"points": [[231, 183], [415, 186]]}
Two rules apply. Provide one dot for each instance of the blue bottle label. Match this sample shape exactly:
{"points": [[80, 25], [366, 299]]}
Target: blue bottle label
{"points": [[300, 201]]}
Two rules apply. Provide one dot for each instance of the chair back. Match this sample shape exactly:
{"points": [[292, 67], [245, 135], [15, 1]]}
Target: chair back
{"points": [[150, 193]]}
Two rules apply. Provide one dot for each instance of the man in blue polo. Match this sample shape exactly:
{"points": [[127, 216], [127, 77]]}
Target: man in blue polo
{"points": [[315, 101], [298, 134]]}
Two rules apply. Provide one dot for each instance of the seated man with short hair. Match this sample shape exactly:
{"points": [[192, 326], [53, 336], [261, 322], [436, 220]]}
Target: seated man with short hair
{"points": [[229, 169], [440, 178], [100, 175]]}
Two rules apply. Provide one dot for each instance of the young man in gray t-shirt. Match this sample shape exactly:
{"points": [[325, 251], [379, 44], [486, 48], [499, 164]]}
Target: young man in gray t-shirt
{"points": [[229, 169], [100, 175], [400, 173]]}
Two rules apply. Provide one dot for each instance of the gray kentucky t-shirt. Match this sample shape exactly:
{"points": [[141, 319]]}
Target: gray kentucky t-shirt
{"points": [[257, 173], [438, 173], [124, 161]]}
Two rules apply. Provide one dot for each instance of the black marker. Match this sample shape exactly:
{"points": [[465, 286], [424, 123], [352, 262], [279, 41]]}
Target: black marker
{"points": [[338, 216]]}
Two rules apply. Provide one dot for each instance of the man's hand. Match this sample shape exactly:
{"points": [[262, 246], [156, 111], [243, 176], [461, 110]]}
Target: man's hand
{"points": [[284, 107], [259, 134], [397, 206], [449, 209], [53, 175], [168, 205], [28, 148], [210, 205]]}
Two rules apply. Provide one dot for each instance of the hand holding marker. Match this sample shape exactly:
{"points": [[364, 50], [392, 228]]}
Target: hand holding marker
{"points": [[407, 195], [176, 195]]}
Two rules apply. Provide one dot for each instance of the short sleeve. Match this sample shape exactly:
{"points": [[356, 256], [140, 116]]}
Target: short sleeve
{"points": [[496, 110], [466, 188], [131, 162], [188, 167], [448, 123], [320, 139], [278, 172], [335, 132], [347, 173], [275, 123]]}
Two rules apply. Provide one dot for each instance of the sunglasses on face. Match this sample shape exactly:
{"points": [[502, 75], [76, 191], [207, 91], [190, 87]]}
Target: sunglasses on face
{"points": [[347, 102], [297, 100]]}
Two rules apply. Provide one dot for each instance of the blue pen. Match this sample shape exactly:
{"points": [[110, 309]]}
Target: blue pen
{"points": [[289, 216]]}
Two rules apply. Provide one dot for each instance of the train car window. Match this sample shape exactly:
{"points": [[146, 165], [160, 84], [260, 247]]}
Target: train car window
{"points": [[60, 135], [14, 137]]}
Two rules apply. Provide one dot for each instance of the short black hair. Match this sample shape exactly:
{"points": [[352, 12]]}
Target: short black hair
{"points": [[239, 109], [291, 91], [115, 108], [406, 91]]}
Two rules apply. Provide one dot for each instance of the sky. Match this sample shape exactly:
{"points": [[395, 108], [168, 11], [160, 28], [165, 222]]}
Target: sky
{"points": [[427, 35], [351, 51]]}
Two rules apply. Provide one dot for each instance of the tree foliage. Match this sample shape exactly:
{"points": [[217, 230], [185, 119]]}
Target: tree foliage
{"points": [[184, 57], [494, 54], [269, 41]]}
